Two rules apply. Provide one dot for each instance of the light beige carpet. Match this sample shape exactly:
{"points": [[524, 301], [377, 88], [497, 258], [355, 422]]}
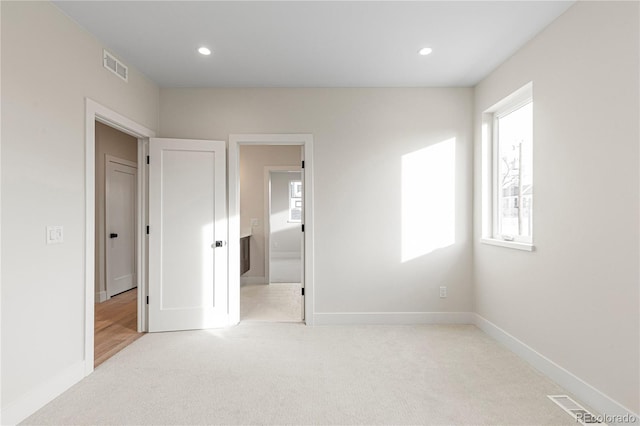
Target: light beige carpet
{"points": [[278, 302], [278, 373]]}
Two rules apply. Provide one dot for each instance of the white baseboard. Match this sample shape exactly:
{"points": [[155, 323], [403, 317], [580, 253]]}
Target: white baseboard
{"points": [[589, 395], [27, 404], [392, 318], [252, 280], [101, 296]]}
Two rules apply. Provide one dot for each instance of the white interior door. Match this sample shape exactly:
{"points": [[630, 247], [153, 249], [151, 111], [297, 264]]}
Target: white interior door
{"points": [[188, 235], [120, 228]]}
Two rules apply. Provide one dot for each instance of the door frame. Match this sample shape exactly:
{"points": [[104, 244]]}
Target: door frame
{"points": [[113, 159], [235, 141], [97, 112], [267, 213]]}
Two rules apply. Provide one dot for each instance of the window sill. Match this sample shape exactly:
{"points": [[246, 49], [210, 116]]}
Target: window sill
{"points": [[508, 244]]}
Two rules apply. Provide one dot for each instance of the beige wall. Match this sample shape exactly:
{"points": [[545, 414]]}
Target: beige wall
{"points": [[109, 141], [49, 66], [360, 137], [575, 299], [253, 160]]}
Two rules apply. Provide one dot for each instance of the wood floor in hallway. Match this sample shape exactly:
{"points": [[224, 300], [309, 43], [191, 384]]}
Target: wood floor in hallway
{"points": [[116, 325]]}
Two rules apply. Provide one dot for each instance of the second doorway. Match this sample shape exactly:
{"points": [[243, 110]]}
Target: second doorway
{"points": [[271, 212]]}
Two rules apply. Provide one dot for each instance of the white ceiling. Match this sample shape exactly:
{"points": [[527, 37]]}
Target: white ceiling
{"points": [[314, 43]]}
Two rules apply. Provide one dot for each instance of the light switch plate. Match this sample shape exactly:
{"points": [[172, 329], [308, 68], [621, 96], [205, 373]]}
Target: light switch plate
{"points": [[55, 234]]}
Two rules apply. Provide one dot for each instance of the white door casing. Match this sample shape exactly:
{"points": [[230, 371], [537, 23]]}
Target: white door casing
{"points": [[187, 216], [120, 225], [97, 112], [302, 243]]}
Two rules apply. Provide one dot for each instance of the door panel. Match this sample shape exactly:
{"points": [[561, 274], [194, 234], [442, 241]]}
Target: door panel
{"points": [[187, 215], [120, 230]]}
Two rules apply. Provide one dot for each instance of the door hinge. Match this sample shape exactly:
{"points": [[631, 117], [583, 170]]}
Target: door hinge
{"points": [[303, 227], [303, 164], [147, 300], [147, 229], [147, 159], [303, 291]]}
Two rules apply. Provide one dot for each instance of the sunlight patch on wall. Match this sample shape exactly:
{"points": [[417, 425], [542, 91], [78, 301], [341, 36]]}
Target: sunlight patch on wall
{"points": [[428, 199]]}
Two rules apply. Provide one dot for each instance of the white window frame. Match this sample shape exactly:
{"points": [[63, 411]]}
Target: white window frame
{"points": [[490, 187]]}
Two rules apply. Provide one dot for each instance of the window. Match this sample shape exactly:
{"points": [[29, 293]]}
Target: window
{"points": [[508, 130], [295, 201]]}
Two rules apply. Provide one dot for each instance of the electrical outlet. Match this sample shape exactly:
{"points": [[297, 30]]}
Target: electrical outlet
{"points": [[443, 292], [54, 235]]}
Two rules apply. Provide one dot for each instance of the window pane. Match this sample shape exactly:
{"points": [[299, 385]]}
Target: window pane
{"points": [[295, 201], [515, 183]]}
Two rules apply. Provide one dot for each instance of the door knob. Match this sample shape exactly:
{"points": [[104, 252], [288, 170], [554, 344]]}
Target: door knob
{"points": [[113, 235], [220, 243]]}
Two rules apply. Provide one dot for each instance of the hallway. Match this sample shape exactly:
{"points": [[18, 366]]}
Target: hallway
{"points": [[115, 325]]}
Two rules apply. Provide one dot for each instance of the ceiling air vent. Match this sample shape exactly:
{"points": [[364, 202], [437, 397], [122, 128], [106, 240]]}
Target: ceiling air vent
{"points": [[115, 66]]}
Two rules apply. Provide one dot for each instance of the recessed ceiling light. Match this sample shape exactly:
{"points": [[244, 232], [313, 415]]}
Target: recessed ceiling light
{"points": [[425, 51], [204, 51]]}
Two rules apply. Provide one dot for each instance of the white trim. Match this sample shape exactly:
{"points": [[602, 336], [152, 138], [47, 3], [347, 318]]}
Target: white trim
{"points": [[143, 242], [96, 112], [252, 280], [591, 396], [508, 244], [19, 409], [101, 296], [267, 213], [392, 318], [513, 101], [235, 140]]}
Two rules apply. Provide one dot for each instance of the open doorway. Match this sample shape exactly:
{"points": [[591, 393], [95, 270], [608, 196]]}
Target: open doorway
{"points": [[238, 228], [96, 113], [116, 234], [271, 212]]}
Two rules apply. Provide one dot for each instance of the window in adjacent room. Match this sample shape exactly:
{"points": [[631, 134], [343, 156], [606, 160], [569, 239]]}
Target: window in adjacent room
{"points": [[295, 201], [508, 146]]}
